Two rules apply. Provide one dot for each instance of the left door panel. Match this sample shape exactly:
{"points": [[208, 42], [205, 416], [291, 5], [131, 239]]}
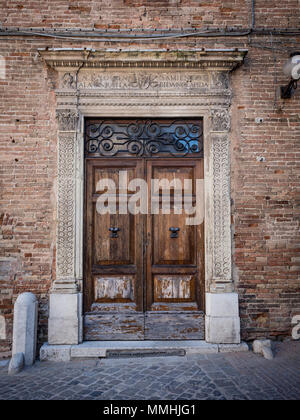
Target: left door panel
{"points": [[114, 253]]}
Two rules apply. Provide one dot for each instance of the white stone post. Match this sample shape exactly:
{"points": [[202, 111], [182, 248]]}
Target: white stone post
{"points": [[25, 328]]}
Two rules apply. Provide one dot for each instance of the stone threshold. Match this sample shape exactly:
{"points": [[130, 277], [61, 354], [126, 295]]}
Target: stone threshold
{"points": [[102, 349]]}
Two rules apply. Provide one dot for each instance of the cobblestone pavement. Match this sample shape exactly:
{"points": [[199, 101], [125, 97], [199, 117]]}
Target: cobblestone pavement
{"points": [[218, 377]]}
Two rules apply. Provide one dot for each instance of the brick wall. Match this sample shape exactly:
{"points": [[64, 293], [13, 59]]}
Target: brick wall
{"points": [[266, 197], [147, 13], [265, 157], [27, 177]]}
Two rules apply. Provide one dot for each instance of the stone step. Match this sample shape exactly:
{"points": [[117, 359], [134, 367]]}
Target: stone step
{"points": [[114, 349]]}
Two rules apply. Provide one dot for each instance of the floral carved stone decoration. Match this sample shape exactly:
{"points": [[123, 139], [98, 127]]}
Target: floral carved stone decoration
{"points": [[220, 120]]}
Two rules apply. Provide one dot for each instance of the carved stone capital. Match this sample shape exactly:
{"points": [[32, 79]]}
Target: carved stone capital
{"points": [[220, 80], [67, 119], [68, 80], [220, 120]]}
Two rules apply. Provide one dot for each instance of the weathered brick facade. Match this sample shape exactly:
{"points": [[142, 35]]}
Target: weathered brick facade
{"points": [[265, 156]]}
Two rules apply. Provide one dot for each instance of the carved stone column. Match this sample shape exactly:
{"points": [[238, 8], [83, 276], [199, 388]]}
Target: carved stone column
{"points": [[65, 299], [222, 308]]}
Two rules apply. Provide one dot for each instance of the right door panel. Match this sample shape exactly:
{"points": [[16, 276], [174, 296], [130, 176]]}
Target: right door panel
{"points": [[175, 253]]}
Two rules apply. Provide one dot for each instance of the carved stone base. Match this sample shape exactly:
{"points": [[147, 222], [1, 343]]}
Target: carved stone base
{"points": [[65, 320], [222, 322]]}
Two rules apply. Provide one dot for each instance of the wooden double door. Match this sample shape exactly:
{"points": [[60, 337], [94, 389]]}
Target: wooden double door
{"points": [[144, 273]]}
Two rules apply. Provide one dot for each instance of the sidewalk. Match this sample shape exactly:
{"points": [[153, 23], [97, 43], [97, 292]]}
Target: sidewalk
{"points": [[217, 376]]}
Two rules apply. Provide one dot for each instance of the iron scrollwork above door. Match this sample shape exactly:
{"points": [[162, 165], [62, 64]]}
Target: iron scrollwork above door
{"points": [[144, 138]]}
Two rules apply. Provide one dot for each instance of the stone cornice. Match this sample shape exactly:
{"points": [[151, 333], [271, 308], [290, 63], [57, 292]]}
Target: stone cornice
{"points": [[218, 59]]}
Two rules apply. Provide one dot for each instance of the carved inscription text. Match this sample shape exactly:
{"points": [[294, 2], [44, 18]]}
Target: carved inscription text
{"points": [[144, 81]]}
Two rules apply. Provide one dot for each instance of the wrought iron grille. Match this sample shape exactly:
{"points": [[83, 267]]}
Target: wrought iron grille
{"points": [[144, 138]]}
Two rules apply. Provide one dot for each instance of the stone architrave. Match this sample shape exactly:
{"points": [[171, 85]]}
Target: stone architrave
{"points": [[169, 84]]}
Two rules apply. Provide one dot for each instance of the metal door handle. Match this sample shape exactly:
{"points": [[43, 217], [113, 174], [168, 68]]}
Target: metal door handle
{"points": [[114, 232], [174, 231]]}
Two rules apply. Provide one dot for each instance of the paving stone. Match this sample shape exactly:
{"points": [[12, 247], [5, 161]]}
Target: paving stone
{"points": [[225, 376]]}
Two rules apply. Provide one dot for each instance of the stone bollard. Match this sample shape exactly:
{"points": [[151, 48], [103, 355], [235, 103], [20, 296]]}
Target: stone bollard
{"points": [[263, 347], [24, 332], [16, 364]]}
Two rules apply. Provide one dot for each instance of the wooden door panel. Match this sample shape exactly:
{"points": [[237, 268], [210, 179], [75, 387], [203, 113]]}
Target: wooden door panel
{"points": [[176, 288], [112, 173], [169, 325], [120, 288], [168, 250], [107, 250], [114, 326], [175, 251], [173, 171]]}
